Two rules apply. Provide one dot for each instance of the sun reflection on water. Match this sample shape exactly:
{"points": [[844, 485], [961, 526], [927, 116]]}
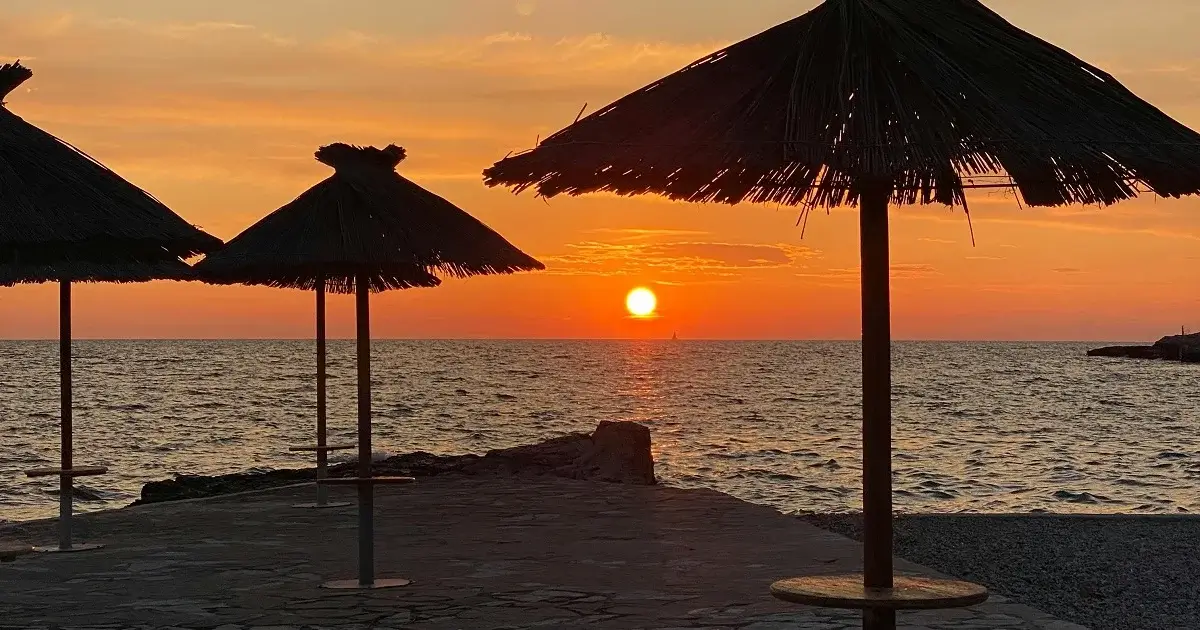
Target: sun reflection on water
{"points": [[983, 427]]}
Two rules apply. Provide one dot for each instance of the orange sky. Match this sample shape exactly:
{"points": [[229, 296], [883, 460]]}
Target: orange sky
{"points": [[216, 108]]}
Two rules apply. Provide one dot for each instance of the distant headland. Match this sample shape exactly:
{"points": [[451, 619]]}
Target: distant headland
{"points": [[1183, 347]]}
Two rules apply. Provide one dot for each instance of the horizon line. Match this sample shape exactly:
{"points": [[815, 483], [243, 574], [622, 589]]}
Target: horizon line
{"points": [[554, 339]]}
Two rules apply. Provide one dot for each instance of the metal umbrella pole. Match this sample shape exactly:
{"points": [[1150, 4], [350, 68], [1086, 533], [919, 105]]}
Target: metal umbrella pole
{"points": [[365, 482], [66, 472], [323, 448]]}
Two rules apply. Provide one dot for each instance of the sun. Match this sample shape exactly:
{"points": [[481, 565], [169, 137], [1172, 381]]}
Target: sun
{"points": [[641, 302], [526, 8]]}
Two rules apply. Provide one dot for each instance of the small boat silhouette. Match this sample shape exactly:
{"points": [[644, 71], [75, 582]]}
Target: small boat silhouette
{"points": [[674, 336]]}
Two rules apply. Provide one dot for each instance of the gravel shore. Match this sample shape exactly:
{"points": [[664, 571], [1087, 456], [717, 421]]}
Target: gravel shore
{"points": [[1104, 572]]}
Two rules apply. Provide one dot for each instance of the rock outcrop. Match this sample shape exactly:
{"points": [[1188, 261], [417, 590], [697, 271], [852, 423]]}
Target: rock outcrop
{"points": [[1127, 352], [617, 452], [1185, 348]]}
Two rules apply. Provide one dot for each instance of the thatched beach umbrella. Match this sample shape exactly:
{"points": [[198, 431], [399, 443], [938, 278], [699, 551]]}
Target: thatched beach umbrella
{"points": [[66, 218], [866, 102], [363, 229]]}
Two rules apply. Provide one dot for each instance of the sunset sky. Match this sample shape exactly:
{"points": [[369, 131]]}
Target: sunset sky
{"points": [[216, 108]]}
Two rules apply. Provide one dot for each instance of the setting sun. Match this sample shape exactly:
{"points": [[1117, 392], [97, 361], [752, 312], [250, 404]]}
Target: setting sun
{"points": [[641, 302]]}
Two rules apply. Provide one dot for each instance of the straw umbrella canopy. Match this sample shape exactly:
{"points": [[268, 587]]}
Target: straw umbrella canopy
{"points": [[866, 103], [66, 218], [363, 229]]}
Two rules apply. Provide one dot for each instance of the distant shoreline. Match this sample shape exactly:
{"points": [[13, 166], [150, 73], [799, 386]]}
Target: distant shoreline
{"points": [[582, 340]]}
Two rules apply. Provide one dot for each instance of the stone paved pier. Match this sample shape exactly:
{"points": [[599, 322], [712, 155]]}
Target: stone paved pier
{"points": [[485, 553]]}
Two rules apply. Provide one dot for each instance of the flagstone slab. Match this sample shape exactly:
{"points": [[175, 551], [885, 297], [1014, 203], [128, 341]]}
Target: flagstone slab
{"points": [[484, 554]]}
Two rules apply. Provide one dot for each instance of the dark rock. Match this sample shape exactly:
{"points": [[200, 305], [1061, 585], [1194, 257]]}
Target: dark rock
{"points": [[197, 486], [1185, 348], [1180, 347], [535, 459], [1127, 352], [618, 452]]}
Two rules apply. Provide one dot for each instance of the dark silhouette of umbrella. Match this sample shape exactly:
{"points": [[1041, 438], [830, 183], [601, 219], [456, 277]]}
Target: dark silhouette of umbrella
{"points": [[66, 218], [363, 229], [866, 102]]}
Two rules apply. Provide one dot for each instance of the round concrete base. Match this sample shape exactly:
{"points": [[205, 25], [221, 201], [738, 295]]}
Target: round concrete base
{"points": [[356, 585], [321, 506], [71, 549]]}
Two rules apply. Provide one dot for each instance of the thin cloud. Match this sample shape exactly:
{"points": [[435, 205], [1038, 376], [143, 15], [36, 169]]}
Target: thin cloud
{"points": [[507, 38], [206, 27], [348, 42], [1077, 222], [688, 259], [899, 271], [249, 89], [647, 233]]}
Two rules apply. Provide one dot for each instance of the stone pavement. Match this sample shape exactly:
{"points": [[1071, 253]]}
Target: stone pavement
{"points": [[485, 553]]}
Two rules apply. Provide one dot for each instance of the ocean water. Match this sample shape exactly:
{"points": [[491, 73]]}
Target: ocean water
{"points": [[986, 427]]}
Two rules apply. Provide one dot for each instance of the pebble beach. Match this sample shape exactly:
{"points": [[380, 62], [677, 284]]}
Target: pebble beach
{"points": [[1106, 572]]}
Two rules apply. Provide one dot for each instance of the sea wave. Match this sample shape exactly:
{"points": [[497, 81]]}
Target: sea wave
{"points": [[977, 427]]}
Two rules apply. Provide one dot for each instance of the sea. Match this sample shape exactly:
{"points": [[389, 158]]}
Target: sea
{"points": [[978, 427]]}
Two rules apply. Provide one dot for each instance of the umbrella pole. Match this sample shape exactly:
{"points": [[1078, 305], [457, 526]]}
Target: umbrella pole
{"points": [[366, 491], [877, 401], [66, 472], [322, 456], [323, 447], [364, 480], [878, 592], [65, 426]]}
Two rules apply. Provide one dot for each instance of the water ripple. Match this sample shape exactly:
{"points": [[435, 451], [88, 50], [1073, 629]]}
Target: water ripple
{"points": [[994, 427]]}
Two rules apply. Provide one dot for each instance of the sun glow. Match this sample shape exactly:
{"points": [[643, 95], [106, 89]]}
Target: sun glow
{"points": [[641, 302]]}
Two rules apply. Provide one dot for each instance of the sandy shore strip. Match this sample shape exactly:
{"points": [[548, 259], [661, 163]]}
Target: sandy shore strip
{"points": [[509, 552], [1136, 572]]}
